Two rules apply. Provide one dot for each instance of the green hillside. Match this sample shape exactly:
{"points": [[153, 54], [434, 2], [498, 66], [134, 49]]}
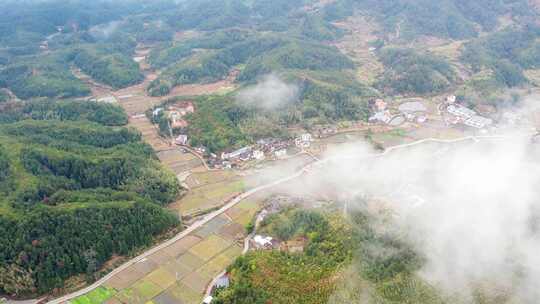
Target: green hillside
{"points": [[76, 187]]}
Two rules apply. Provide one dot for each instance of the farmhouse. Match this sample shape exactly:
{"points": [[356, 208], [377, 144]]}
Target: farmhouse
{"points": [[478, 122], [258, 155], [280, 153], [262, 242], [157, 111], [460, 111], [383, 116], [240, 153], [182, 140]]}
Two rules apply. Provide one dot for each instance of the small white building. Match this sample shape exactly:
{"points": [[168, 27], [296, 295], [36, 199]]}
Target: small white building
{"points": [[236, 154], [258, 155], [451, 99], [280, 153], [478, 122], [208, 300], [182, 140], [157, 111], [383, 116], [262, 241], [306, 137]]}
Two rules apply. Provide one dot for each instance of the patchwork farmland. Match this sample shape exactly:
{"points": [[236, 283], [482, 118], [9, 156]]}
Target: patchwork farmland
{"points": [[180, 272]]}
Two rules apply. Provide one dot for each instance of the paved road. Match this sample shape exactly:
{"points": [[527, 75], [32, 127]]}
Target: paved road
{"points": [[243, 196], [179, 236]]}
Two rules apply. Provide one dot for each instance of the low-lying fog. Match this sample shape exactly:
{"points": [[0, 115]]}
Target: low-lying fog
{"points": [[472, 208]]}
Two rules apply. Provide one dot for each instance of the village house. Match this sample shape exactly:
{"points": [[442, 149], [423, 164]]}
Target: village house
{"points": [[383, 116], [242, 153], [181, 140], [258, 155], [157, 111], [451, 99], [460, 111], [304, 141], [306, 137], [280, 153], [478, 122], [208, 300], [262, 242]]}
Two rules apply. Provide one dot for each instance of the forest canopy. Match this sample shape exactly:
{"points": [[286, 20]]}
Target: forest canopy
{"points": [[68, 169]]}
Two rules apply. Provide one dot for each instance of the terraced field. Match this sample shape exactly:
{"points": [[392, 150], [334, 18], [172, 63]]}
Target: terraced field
{"points": [[181, 272]]}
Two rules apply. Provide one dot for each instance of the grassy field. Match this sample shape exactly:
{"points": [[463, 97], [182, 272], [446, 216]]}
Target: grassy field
{"points": [[209, 196], [97, 296]]}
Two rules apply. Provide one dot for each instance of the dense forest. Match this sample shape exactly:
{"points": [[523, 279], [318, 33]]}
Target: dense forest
{"points": [[77, 187], [408, 71], [47, 76], [456, 19], [116, 69], [507, 53]]}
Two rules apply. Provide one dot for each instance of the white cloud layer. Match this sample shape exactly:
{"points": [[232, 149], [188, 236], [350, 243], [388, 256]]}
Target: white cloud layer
{"points": [[269, 93]]}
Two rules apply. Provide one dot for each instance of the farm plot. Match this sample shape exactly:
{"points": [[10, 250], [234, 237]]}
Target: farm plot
{"points": [[210, 247], [209, 196], [97, 296], [149, 133], [178, 161]]}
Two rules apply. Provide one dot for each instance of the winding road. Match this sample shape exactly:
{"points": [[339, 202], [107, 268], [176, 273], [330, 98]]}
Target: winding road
{"points": [[245, 195]]}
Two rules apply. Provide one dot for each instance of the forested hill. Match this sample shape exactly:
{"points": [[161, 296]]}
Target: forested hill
{"points": [[76, 187]]}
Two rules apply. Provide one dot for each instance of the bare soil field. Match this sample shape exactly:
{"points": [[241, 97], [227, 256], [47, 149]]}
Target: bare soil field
{"points": [[219, 87]]}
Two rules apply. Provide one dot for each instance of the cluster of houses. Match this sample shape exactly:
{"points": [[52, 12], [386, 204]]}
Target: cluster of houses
{"points": [[412, 111], [464, 115], [264, 148], [271, 147]]}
